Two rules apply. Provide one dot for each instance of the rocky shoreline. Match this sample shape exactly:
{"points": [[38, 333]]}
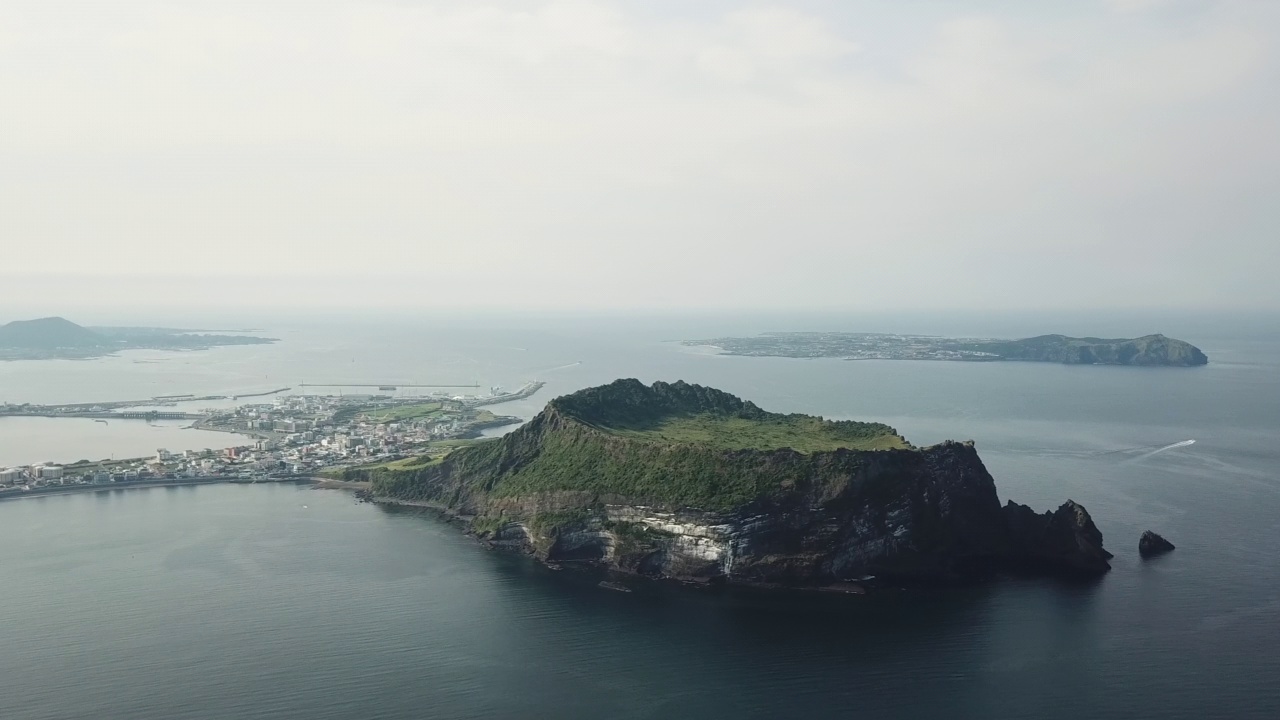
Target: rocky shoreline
{"points": [[565, 488], [1062, 543]]}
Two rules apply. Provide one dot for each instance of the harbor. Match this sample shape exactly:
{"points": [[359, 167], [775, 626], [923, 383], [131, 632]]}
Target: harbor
{"points": [[292, 437]]}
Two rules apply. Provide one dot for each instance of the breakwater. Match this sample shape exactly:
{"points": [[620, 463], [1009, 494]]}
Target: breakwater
{"points": [[277, 391], [46, 490], [526, 391]]}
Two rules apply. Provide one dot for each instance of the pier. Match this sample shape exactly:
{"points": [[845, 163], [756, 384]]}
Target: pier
{"points": [[384, 386], [261, 394], [529, 389], [105, 415]]}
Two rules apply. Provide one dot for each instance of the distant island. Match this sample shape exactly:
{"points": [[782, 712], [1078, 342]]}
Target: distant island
{"points": [[55, 337], [688, 482], [1148, 350]]}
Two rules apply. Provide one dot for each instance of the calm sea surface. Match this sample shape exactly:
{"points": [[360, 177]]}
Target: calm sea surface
{"points": [[286, 602]]}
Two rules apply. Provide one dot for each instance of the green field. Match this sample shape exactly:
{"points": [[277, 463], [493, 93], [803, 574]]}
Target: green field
{"points": [[400, 413], [408, 463], [430, 455], [363, 473], [801, 433]]}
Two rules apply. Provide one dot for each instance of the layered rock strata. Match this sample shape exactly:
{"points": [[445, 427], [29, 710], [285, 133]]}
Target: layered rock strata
{"points": [[599, 476]]}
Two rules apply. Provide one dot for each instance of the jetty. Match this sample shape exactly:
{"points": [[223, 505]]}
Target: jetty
{"points": [[527, 390]]}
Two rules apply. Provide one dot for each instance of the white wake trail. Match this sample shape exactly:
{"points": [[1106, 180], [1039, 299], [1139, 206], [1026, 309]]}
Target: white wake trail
{"points": [[1157, 451]]}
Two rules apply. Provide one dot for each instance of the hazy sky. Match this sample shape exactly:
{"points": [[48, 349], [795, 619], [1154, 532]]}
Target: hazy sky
{"points": [[862, 155]]}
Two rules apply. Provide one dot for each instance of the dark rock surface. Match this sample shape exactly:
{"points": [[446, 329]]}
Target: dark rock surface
{"points": [[1151, 544], [1065, 539]]}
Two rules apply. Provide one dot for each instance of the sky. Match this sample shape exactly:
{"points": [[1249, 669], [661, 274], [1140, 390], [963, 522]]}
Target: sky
{"points": [[655, 154]]}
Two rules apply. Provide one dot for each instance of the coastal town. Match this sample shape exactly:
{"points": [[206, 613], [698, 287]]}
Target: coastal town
{"points": [[294, 437]]}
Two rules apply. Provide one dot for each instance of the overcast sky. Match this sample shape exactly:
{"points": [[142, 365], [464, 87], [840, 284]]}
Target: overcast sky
{"points": [[860, 155]]}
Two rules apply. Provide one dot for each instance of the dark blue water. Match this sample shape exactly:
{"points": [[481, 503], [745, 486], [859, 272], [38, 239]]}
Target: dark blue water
{"points": [[282, 601]]}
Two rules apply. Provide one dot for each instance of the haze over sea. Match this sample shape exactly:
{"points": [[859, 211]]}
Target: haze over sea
{"points": [[287, 602]]}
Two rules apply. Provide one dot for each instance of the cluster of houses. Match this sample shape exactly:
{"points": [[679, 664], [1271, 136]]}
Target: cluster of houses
{"points": [[295, 436]]}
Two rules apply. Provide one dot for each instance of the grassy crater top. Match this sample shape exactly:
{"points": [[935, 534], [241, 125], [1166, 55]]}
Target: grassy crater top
{"points": [[800, 433], [683, 414]]}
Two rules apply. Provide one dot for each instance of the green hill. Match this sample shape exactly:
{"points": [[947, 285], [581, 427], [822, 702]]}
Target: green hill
{"points": [[670, 444], [55, 337]]}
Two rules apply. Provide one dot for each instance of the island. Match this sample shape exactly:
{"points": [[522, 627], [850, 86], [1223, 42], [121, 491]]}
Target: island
{"points": [[681, 481], [59, 338], [1149, 350]]}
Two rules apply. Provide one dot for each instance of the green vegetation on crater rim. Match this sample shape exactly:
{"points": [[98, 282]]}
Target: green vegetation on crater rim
{"points": [[675, 445], [684, 414], [798, 432]]}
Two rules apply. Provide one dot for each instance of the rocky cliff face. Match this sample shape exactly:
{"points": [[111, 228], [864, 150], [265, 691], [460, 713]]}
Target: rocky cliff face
{"points": [[922, 513], [1065, 539]]}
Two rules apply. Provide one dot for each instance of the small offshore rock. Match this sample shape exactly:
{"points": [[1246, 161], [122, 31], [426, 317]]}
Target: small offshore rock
{"points": [[1152, 544]]}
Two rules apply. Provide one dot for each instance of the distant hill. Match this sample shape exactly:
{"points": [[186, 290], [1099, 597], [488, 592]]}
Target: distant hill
{"points": [[55, 337], [1147, 350], [48, 333]]}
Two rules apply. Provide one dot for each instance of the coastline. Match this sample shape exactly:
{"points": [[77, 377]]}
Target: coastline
{"points": [[452, 517], [323, 483]]}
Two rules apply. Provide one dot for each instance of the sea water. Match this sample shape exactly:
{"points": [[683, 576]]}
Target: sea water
{"points": [[286, 602]]}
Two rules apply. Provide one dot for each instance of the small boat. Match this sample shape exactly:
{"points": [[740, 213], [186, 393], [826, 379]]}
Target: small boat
{"points": [[614, 586]]}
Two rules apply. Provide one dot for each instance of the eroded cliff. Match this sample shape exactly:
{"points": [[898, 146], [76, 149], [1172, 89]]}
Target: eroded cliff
{"points": [[683, 481]]}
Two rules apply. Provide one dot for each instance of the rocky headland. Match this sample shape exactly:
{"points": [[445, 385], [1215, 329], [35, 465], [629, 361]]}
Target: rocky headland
{"points": [[688, 482]]}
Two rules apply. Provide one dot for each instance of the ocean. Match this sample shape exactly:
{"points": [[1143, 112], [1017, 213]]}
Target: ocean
{"points": [[286, 602]]}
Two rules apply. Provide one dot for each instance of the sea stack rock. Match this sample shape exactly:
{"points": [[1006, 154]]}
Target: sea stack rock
{"points": [[1065, 539], [1152, 544]]}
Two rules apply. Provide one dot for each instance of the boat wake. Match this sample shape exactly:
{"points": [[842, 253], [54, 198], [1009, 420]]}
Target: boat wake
{"points": [[1144, 450], [560, 367], [1157, 451]]}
